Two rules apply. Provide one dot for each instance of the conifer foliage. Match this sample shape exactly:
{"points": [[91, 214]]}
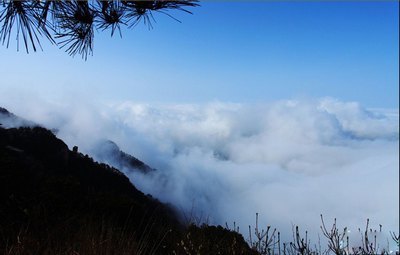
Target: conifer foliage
{"points": [[71, 24]]}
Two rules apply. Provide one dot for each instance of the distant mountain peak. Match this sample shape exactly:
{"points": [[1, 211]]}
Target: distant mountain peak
{"points": [[10, 120], [4, 111], [108, 151]]}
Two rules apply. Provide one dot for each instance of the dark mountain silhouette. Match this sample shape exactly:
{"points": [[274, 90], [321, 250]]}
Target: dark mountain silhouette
{"points": [[57, 201], [43, 184]]}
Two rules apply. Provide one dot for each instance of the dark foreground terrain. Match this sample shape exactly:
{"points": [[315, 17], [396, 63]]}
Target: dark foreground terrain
{"points": [[57, 201]]}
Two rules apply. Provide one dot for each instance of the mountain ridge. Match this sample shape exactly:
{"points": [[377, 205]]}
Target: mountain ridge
{"points": [[108, 151], [57, 201]]}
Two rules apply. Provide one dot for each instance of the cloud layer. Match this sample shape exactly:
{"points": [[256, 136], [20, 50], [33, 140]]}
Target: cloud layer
{"points": [[290, 160]]}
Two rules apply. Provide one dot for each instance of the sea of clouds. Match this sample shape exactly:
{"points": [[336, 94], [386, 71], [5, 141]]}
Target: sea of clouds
{"points": [[288, 160]]}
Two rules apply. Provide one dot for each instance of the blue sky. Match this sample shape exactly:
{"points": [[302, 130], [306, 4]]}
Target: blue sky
{"points": [[242, 52]]}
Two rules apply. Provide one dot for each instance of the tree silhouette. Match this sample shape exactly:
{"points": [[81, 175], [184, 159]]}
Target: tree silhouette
{"points": [[71, 24]]}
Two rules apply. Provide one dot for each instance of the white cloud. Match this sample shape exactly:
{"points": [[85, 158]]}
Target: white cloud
{"points": [[287, 160]]}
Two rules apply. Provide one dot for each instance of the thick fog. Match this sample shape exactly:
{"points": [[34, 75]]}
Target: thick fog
{"points": [[289, 160]]}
